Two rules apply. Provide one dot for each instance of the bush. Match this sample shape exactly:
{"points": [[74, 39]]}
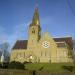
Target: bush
{"points": [[68, 68], [4, 66]]}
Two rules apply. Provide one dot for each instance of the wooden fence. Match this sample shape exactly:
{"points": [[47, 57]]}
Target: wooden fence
{"points": [[15, 72], [26, 72], [54, 73]]}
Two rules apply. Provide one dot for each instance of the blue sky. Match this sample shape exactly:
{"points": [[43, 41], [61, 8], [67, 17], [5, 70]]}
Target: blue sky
{"points": [[56, 16]]}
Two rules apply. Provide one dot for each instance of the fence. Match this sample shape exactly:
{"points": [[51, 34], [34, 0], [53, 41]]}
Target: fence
{"points": [[54, 73], [15, 72], [26, 72]]}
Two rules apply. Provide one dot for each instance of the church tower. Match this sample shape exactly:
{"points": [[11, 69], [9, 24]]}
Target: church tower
{"points": [[34, 31]]}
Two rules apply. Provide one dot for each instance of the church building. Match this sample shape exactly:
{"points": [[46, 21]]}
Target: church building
{"points": [[42, 49]]}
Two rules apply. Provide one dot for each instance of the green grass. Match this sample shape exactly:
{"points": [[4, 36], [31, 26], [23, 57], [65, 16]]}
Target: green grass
{"points": [[49, 67]]}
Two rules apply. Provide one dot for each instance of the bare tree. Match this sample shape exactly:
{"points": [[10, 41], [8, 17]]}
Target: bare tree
{"points": [[5, 52]]}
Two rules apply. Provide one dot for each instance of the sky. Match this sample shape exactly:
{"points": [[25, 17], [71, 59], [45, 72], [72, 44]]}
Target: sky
{"points": [[56, 16]]}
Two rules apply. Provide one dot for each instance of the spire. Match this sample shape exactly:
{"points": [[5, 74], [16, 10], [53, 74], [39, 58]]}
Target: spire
{"points": [[35, 20], [46, 35]]}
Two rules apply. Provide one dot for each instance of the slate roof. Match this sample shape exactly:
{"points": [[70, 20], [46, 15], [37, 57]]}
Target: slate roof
{"points": [[68, 40], [22, 44]]}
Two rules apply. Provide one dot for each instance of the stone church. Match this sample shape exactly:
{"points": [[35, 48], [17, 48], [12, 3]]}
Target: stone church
{"points": [[42, 49]]}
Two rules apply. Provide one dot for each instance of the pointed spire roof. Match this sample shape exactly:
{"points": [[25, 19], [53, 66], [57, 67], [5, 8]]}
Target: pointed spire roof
{"points": [[35, 20], [46, 35]]}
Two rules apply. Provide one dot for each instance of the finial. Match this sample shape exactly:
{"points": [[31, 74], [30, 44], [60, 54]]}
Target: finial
{"points": [[36, 7]]}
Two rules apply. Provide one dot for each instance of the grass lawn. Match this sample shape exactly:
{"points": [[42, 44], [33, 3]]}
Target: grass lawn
{"points": [[49, 67]]}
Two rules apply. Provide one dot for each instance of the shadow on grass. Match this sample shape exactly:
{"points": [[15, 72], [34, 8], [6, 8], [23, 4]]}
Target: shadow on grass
{"points": [[16, 65], [41, 68], [68, 68]]}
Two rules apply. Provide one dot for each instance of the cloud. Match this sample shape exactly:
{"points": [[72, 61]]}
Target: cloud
{"points": [[19, 32]]}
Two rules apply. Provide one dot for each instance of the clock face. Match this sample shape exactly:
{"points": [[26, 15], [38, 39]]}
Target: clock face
{"points": [[45, 44]]}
